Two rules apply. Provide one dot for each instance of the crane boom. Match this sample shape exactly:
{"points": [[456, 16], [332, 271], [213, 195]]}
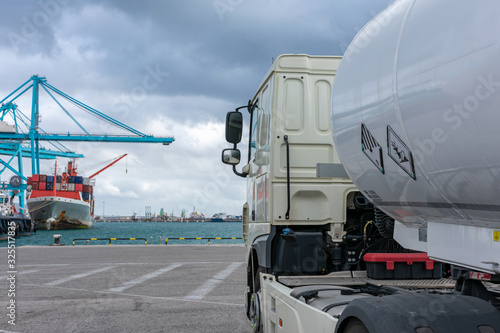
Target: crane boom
{"points": [[107, 166]]}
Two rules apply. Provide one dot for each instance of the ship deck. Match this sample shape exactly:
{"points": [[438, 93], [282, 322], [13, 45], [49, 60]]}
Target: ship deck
{"points": [[127, 288]]}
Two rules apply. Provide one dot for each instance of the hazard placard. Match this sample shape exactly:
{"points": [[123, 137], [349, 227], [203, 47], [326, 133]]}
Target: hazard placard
{"points": [[371, 148], [400, 152]]}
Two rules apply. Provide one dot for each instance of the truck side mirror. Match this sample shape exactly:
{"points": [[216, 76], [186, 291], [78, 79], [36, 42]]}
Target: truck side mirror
{"points": [[234, 127], [231, 156]]}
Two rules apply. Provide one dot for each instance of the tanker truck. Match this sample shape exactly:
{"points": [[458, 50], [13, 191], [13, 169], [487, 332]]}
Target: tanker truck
{"points": [[373, 179]]}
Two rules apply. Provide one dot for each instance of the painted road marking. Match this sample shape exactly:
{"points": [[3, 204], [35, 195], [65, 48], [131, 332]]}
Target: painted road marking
{"points": [[136, 295], [144, 278], [210, 284], [19, 273], [78, 276], [156, 263], [43, 265]]}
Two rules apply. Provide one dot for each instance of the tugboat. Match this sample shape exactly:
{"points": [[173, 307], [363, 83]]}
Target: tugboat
{"points": [[10, 214]]}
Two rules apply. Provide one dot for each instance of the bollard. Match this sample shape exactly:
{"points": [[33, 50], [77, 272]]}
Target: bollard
{"points": [[159, 240], [57, 240]]}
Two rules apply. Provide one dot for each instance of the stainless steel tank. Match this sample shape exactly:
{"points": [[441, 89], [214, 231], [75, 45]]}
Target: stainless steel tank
{"points": [[416, 111]]}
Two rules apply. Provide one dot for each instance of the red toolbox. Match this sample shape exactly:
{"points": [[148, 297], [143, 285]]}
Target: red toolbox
{"points": [[401, 266]]}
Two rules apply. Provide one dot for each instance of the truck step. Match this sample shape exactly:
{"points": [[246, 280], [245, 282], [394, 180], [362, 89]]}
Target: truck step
{"points": [[359, 278], [418, 284]]}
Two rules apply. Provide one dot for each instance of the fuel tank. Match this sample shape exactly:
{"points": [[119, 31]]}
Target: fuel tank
{"points": [[416, 112]]}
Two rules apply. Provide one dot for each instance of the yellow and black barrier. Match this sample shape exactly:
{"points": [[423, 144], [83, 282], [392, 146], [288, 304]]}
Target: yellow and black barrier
{"points": [[110, 239], [195, 238]]}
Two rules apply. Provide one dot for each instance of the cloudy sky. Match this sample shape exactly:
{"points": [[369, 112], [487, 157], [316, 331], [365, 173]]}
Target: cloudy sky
{"points": [[167, 68]]}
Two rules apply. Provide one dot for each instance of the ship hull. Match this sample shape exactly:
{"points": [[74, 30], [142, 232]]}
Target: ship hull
{"points": [[57, 213]]}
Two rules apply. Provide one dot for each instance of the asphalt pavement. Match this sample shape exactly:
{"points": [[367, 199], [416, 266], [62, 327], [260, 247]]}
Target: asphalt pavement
{"points": [[123, 288]]}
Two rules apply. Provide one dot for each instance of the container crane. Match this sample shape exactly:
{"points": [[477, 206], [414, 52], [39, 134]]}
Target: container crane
{"points": [[23, 139]]}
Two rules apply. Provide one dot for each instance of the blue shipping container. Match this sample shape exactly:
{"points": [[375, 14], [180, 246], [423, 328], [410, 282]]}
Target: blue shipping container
{"points": [[58, 179], [71, 179], [79, 180], [86, 196], [50, 186], [50, 179]]}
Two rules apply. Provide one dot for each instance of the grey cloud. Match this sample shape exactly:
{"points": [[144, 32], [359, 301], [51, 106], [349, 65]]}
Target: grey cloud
{"points": [[211, 54]]}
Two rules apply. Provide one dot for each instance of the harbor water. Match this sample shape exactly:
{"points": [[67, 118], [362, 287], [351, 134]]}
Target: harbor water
{"points": [[151, 231]]}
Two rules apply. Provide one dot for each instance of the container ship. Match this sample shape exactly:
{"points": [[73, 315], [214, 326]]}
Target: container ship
{"points": [[61, 201]]}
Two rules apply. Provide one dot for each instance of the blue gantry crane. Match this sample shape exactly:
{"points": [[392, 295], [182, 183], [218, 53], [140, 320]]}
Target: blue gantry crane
{"points": [[24, 137]]}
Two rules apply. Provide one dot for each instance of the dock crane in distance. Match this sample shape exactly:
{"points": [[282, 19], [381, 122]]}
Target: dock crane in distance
{"points": [[35, 134], [107, 166], [27, 130]]}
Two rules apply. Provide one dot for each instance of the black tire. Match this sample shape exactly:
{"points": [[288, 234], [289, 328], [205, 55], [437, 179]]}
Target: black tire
{"points": [[355, 326], [255, 313], [256, 277]]}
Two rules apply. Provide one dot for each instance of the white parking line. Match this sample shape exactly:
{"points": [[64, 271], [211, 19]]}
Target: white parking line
{"points": [[19, 273], [135, 295], [78, 276], [44, 265], [156, 263], [144, 278], [210, 284]]}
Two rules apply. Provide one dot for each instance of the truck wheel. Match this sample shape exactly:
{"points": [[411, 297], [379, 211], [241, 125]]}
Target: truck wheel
{"points": [[256, 277], [255, 313], [355, 326]]}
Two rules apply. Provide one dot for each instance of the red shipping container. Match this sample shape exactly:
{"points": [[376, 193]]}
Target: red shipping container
{"points": [[34, 185], [78, 187], [86, 188], [42, 186], [36, 178], [29, 180], [43, 178]]}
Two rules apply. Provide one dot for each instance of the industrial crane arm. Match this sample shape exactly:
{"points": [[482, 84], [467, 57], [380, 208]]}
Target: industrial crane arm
{"points": [[107, 166]]}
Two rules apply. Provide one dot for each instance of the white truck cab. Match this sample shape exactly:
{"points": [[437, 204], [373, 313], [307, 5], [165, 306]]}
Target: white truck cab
{"points": [[321, 257]]}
